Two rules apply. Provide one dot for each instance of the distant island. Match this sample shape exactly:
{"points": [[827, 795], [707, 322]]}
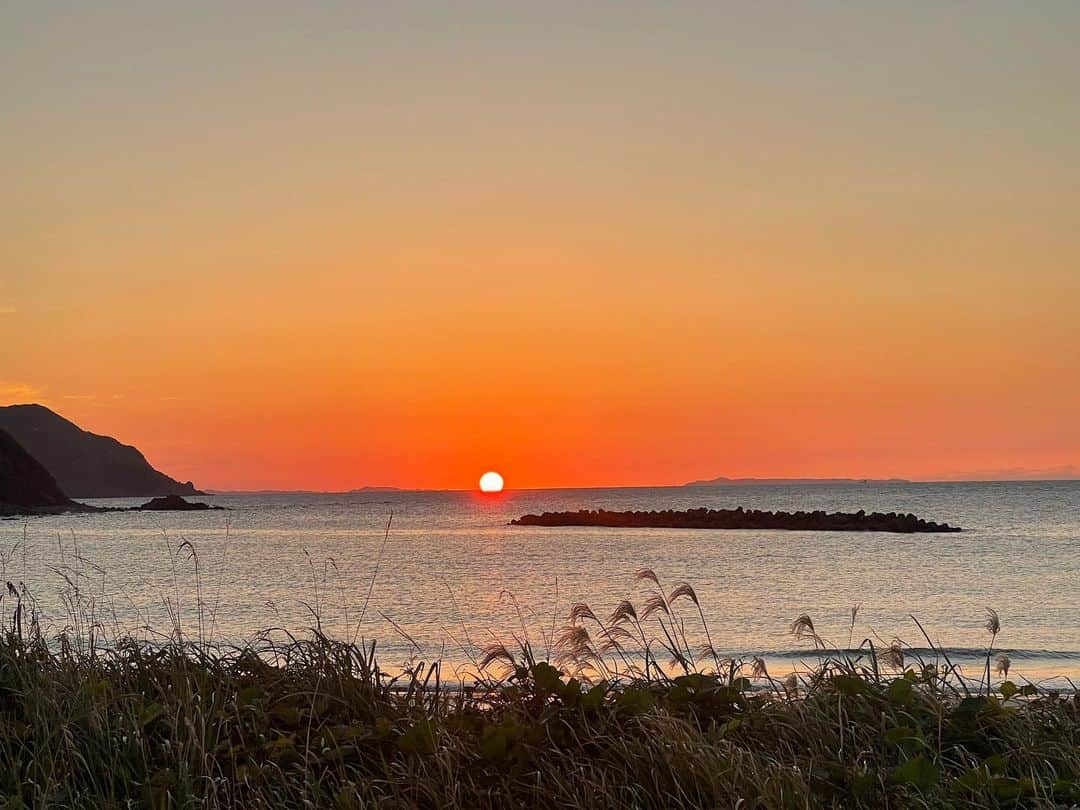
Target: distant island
{"points": [[740, 518], [729, 482], [84, 464]]}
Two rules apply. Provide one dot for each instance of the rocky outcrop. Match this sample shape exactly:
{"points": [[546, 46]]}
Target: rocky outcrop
{"points": [[740, 518], [174, 503], [84, 464]]}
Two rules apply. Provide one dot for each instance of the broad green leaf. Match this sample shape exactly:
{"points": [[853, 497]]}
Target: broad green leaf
{"points": [[906, 738], [594, 698], [918, 771], [849, 684], [419, 738], [546, 677], [900, 690]]}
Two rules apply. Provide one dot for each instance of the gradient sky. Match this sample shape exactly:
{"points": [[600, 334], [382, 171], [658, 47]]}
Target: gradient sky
{"points": [[323, 245]]}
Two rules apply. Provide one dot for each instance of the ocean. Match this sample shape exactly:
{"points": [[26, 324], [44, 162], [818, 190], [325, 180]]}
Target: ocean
{"points": [[451, 576]]}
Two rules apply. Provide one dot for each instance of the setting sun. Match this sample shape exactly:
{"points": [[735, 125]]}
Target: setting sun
{"points": [[491, 482]]}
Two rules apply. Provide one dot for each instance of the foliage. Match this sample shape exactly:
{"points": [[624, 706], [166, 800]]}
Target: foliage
{"points": [[316, 722]]}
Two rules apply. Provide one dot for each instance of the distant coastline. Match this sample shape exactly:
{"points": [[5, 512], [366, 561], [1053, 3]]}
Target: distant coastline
{"points": [[738, 482], [356, 491], [719, 483]]}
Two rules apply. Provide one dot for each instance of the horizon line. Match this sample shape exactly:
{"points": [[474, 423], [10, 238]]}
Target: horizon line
{"points": [[734, 482]]}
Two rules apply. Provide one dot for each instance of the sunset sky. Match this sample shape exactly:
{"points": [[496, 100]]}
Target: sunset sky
{"points": [[327, 245]]}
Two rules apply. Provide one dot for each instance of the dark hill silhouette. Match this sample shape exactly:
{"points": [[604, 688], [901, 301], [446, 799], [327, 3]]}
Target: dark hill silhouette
{"points": [[84, 464], [25, 486]]}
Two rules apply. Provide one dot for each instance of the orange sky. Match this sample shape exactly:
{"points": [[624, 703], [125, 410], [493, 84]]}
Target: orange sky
{"points": [[344, 245]]}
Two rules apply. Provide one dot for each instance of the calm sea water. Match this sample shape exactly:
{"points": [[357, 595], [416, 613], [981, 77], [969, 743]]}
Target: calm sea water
{"points": [[454, 576]]}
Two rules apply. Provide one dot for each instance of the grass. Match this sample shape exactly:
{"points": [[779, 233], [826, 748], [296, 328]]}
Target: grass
{"points": [[635, 709]]}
